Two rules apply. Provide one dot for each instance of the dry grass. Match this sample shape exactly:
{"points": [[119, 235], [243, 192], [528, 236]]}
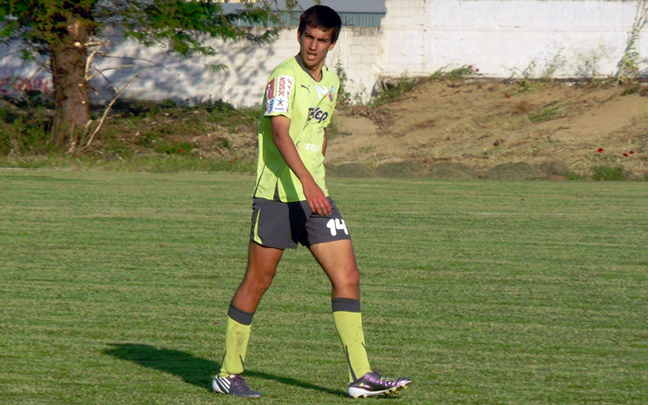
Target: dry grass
{"points": [[486, 123]]}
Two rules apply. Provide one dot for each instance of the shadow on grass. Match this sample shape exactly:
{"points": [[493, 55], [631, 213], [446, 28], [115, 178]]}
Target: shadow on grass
{"points": [[193, 370]]}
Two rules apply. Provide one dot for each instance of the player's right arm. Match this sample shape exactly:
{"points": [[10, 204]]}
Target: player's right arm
{"points": [[315, 197]]}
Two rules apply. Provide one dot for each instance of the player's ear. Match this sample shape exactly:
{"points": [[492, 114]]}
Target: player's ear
{"points": [[332, 46]]}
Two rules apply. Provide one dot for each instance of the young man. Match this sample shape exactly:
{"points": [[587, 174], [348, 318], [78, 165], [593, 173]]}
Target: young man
{"points": [[292, 205]]}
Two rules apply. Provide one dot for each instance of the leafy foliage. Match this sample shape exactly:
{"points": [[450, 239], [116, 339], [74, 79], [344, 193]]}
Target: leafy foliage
{"points": [[177, 24], [69, 33]]}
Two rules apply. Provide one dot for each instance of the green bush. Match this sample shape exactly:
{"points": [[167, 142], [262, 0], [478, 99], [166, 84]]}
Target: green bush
{"points": [[607, 173], [24, 134], [393, 90]]}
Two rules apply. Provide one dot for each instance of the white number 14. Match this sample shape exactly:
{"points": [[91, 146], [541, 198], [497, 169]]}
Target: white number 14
{"points": [[336, 225]]}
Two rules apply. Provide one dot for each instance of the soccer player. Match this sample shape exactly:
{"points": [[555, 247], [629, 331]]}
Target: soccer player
{"points": [[291, 205]]}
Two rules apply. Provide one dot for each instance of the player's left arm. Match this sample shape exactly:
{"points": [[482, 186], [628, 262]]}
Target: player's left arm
{"points": [[324, 144]]}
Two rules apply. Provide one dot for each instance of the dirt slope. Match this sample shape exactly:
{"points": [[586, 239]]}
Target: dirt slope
{"points": [[490, 128]]}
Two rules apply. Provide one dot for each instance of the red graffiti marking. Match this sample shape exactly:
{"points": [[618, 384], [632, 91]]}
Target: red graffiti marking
{"points": [[21, 85]]}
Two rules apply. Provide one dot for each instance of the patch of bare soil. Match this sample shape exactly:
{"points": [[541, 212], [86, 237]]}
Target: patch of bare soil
{"points": [[494, 129]]}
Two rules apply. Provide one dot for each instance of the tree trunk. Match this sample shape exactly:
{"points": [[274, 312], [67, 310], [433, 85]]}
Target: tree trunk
{"points": [[68, 59]]}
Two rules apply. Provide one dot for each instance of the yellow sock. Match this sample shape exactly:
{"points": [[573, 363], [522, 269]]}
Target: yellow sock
{"points": [[348, 322], [236, 341]]}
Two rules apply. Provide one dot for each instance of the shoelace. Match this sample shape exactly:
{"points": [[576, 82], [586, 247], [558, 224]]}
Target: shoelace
{"points": [[239, 382]]}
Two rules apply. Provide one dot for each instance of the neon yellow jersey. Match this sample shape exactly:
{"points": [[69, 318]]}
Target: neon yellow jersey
{"points": [[291, 91]]}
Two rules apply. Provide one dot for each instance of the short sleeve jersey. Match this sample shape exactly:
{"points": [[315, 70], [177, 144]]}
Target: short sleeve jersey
{"points": [[292, 92]]}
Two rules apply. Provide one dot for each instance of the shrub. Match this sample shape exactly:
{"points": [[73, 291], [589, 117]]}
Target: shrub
{"points": [[392, 90], [461, 73], [24, 135], [607, 173]]}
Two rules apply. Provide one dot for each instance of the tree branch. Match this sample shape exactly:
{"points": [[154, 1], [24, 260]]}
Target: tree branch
{"points": [[107, 110]]}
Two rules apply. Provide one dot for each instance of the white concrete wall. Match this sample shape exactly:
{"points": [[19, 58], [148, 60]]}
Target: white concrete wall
{"points": [[511, 37], [503, 38]]}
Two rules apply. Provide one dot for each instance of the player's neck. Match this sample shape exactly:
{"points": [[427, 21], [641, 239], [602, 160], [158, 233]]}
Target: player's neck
{"points": [[315, 73]]}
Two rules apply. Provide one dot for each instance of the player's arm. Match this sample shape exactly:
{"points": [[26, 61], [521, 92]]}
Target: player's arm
{"points": [[315, 197], [324, 144]]}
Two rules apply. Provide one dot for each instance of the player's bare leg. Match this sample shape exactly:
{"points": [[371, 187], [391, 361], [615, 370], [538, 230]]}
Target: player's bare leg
{"points": [[338, 262], [261, 269]]}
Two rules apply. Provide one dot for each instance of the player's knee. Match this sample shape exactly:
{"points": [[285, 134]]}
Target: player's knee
{"points": [[351, 277], [259, 284], [263, 282], [355, 278]]}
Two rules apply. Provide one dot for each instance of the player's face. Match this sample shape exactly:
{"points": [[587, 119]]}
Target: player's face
{"points": [[314, 45]]}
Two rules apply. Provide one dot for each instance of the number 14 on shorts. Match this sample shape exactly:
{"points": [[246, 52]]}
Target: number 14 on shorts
{"points": [[335, 225]]}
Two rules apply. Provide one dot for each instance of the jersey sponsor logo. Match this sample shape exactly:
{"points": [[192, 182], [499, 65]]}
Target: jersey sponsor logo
{"points": [[277, 105], [281, 102], [317, 114], [278, 94], [284, 86], [307, 146]]}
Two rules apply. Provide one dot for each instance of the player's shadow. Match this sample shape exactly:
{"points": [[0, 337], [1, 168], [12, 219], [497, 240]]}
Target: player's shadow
{"points": [[193, 370]]}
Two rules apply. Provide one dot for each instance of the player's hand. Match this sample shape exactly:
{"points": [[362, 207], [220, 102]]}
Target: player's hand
{"points": [[316, 200]]}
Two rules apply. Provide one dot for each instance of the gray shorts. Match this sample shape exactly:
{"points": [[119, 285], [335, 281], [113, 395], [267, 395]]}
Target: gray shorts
{"points": [[282, 225]]}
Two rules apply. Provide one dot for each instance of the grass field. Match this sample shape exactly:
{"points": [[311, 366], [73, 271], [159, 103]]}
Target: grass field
{"points": [[114, 289]]}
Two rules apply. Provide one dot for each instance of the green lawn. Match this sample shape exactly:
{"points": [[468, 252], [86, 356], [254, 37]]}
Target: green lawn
{"points": [[114, 289]]}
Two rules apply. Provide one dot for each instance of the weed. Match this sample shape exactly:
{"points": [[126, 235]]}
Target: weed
{"points": [[526, 85], [460, 73], [546, 114], [392, 90], [609, 173], [628, 66], [344, 97], [171, 147], [630, 90]]}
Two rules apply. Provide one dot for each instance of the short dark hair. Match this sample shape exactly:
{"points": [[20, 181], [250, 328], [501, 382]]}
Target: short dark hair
{"points": [[322, 17]]}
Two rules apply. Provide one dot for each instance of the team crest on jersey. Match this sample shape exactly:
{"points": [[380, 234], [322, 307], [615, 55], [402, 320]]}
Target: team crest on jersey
{"points": [[278, 94], [332, 94]]}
